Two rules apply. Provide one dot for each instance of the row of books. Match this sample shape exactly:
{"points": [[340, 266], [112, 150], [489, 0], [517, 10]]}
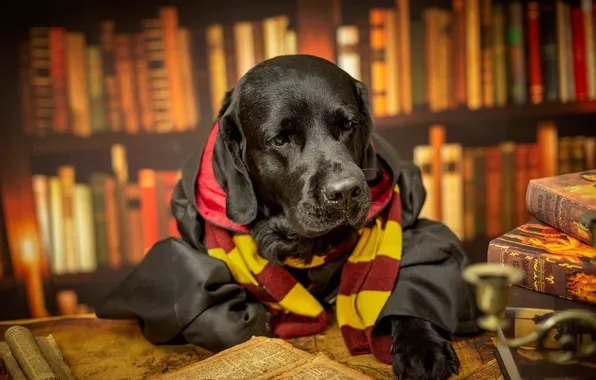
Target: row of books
{"points": [[481, 191], [107, 221], [133, 82], [555, 250], [479, 54]]}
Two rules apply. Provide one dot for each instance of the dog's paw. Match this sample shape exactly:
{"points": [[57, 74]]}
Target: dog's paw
{"points": [[420, 352]]}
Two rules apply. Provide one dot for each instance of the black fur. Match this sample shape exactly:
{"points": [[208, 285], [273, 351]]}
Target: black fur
{"points": [[292, 129]]}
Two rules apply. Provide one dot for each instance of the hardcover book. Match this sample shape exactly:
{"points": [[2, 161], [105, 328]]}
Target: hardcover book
{"points": [[553, 262], [560, 201]]}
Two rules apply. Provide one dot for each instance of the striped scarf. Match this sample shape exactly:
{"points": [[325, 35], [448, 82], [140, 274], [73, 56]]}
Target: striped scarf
{"points": [[367, 280]]}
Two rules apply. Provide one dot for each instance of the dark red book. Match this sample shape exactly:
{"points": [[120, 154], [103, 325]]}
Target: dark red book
{"points": [[552, 261], [561, 201], [579, 53], [534, 56]]}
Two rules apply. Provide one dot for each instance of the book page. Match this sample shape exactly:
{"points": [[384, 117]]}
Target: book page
{"points": [[24, 348], [52, 354], [322, 368], [12, 367], [257, 359]]}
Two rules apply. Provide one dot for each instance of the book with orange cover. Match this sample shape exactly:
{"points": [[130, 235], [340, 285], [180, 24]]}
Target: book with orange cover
{"points": [[552, 261], [560, 201]]}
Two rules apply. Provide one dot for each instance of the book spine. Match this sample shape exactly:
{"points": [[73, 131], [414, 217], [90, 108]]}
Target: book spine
{"points": [[486, 43], [534, 61], [143, 81], [494, 196], [579, 53], [550, 58], [406, 27], [557, 211], [217, 66], [469, 201], [452, 202], [169, 21], [587, 11], [458, 67], [95, 86], [562, 52], [480, 191], [500, 55], [347, 50], [522, 172], [554, 274], [508, 186], [126, 86], [418, 65], [392, 66], [58, 73], [517, 59], [41, 80], [106, 37], [473, 50], [98, 193], [230, 55], [378, 46]]}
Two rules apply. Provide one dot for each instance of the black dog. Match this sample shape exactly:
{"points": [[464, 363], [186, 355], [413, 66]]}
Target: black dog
{"points": [[294, 166], [298, 128]]}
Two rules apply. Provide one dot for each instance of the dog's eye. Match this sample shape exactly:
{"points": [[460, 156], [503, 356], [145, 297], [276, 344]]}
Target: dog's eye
{"points": [[348, 125], [279, 141]]}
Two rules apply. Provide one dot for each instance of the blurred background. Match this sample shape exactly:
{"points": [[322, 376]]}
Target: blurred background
{"points": [[104, 101]]}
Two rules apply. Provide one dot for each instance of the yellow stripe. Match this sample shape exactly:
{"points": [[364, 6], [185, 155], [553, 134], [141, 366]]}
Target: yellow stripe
{"points": [[391, 244], [396, 188], [369, 304], [345, 310], [239, 271], [295, 263], [248, 250], [299, 301], [366, 249]]}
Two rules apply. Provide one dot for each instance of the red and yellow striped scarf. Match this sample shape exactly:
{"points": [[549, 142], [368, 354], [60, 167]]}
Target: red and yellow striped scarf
{"points": [[367, 279]]}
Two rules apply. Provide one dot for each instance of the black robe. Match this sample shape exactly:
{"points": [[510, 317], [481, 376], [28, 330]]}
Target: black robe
{"points": [[179, 292]]}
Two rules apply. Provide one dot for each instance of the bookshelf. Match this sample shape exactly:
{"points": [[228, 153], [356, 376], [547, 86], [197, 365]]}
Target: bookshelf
{"points": [[487, 126]]}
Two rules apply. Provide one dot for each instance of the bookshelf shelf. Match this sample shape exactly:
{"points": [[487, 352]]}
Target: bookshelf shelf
{"points": [[101, 277], [510, 112], [68, 144]]}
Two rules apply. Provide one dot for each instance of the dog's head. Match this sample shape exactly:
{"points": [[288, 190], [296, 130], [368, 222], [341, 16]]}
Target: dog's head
{"points": [[294, 141]]}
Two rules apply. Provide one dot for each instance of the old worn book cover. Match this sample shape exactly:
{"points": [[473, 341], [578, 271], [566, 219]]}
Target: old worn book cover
{"points": [[553, 262], [263, 358], [560, 201]]}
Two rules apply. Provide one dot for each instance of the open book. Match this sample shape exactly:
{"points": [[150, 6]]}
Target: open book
{"points": [[27, 357], [263, 359]]}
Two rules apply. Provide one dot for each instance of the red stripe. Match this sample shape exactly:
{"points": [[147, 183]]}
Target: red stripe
{"points": [[258, 292], [356, 340], [395, 208], [341, 249], [216, 237], [382, 275], [380, 346], [353, 276], [297, 325], [276, 281]]}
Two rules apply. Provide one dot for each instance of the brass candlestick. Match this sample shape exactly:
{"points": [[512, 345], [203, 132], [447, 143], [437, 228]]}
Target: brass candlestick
{"points": [[493, 284]]}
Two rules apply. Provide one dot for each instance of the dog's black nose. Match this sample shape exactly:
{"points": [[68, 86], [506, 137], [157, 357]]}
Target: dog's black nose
{"points": [[343, 191]]}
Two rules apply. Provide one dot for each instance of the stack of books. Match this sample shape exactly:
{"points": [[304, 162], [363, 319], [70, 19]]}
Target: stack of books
{"points": [[556, 255]]}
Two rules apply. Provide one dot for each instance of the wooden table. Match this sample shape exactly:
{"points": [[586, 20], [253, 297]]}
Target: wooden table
{"points": [[116, 349]]}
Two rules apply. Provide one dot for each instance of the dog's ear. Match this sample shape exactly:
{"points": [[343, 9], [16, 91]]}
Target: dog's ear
{"points": [[230, 169], [369, 162]]}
